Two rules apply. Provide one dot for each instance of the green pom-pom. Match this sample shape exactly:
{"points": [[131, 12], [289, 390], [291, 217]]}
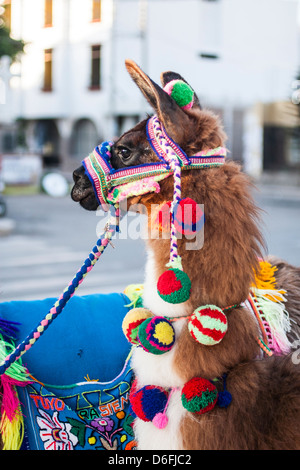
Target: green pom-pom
{"points": [[182, 93]]}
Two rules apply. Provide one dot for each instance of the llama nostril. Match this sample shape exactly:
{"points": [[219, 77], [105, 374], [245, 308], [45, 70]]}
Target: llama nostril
{"points": [[77, 175]]}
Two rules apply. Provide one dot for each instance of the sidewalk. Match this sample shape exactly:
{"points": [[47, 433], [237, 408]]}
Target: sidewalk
{"points": [[280, 185], [7, 226]]}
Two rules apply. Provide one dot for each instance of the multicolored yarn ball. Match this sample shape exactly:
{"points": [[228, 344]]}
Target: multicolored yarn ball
{"points": [[174, 286], [105, 149], [208, 325], [156, 335], [132, 321], [181, 92], [148, 401], [199, 395], [188, 217]]}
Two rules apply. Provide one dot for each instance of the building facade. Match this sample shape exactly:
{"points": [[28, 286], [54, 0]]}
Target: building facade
{"points": [[70, 89]]}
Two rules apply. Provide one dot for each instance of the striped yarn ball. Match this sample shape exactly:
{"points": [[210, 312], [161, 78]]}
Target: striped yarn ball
{"points": [[208, 325], [181, 92], [132, 322], [156, 335], [199, 395]]}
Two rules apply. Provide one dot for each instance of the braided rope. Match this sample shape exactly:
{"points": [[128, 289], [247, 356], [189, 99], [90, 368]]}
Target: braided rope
{"points": [[111, 227], [170, 154]]}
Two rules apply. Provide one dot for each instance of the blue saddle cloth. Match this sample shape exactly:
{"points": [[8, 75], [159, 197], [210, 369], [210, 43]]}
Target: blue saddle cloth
{"points": [[80, 398]]}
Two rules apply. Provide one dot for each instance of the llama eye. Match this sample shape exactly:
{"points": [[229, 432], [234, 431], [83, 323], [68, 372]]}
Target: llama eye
{"points": [[125, 153]]}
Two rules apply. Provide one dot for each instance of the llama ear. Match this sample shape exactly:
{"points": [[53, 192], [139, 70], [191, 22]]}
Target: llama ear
{"points": [[167, 77], [174, 119]]}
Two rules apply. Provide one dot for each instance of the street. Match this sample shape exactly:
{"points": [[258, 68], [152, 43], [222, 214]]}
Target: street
{"points": [[52, 237]]}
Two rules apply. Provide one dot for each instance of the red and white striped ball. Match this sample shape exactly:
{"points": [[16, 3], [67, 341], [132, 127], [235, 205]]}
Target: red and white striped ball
{"points": [[208, 325]]}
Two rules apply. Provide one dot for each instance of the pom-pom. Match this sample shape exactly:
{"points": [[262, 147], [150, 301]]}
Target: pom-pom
{"points": [[188, 217], [105, 149], [132, 322], [156, 335], [174, 286], [208, 325], [199, 395], [163, 219], [160, 420], [224, 399], [181, 92], [148, 401]]}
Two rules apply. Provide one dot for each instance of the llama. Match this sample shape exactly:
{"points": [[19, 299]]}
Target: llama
{"points": [[264, 412]]}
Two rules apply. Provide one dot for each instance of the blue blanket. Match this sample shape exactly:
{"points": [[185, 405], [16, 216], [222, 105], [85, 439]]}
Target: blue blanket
{"points": [[81, 397]]}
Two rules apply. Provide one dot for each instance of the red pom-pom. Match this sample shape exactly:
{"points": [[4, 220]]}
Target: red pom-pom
{"points": [[188, 217], [164, 217]]}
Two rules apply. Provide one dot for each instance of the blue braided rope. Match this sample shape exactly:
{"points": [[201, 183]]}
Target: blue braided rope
{"points": [[111, 227]]}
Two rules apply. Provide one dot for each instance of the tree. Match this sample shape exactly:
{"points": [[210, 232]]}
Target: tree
{"points": [[8, 46]]}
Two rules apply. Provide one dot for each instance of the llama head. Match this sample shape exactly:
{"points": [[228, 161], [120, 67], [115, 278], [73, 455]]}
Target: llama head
{"points": [[192, 128]]}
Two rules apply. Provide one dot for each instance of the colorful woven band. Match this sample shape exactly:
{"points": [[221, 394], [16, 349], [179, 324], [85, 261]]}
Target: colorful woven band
{"points": [[111, 185]]}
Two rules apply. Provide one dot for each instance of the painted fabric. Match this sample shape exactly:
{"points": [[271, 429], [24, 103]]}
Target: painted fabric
{"points": [[84, 416]]}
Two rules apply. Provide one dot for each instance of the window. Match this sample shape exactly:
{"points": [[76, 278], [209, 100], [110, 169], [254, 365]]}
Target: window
{"points": [[48, 13], [96, 67], [96, 10], [48, 70]]}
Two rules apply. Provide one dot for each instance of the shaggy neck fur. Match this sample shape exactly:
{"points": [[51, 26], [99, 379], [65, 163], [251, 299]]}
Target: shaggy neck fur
{"points": [[221, 272]]}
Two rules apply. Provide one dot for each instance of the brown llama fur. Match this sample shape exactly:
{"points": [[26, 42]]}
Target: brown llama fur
{"points": [[265, 409]]}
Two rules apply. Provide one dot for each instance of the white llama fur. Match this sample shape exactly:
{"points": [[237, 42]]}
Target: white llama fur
{"points": [[150, 369]]}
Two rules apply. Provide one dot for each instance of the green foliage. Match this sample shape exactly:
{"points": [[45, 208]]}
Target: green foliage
{"points": [[9, 46]]}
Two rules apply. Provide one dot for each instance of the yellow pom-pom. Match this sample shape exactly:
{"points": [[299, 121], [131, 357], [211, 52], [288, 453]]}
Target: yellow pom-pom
{"points": [[132, 321]]}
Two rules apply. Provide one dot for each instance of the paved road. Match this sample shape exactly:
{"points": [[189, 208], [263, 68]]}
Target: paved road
{"points": [[52, 237], [51, 240]]}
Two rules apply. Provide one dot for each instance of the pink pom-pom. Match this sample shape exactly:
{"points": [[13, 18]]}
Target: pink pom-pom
{"points": [[160, 420]]}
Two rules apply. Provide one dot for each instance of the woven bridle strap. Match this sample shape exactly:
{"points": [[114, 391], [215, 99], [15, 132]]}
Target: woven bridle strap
{"points": [[112, 184]]}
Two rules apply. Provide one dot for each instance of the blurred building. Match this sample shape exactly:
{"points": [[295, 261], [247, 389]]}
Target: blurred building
{"points": [[70, 89]]}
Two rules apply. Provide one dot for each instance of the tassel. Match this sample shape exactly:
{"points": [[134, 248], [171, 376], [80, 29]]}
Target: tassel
{"points": [[12, 432], [275, 318], [16, 370], [11, 424], [10, 400], [134, 292], [265, 280], [8, 329]]}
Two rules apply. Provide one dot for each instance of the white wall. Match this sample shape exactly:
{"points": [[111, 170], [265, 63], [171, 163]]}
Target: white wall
{"points": [[257, 42]]}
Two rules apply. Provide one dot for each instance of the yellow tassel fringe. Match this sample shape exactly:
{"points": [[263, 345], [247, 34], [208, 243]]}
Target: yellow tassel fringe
{"points": [[265, 280], [12, 432]]}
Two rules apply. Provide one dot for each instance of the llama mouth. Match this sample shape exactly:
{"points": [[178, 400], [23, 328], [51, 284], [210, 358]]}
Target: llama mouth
{"points": [[86, 198]]}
